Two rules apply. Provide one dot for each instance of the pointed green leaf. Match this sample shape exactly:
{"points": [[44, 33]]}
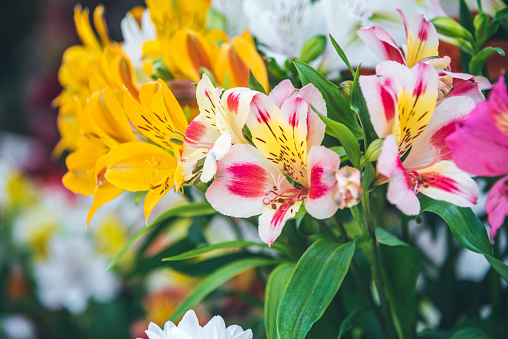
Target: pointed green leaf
{"points": [[215, 280], [346, 138], [348, 323], [467, 229], [189, 210], [341, 54], [254, 84], [312, 286], [477, 62], [337, 106], [275, 288], [207, 249]]}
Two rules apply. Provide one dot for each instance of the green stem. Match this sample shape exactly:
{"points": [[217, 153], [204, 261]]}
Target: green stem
{"points": [[376, 270]]}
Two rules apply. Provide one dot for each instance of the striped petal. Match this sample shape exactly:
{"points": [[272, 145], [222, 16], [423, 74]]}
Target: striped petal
{"points": [[322, 165], [431, 147], [272, 220], [236, 107], [400, 192], [243, 179], [445, 181], [422, 40], [417, 92], [381, 43], [281, 135]]}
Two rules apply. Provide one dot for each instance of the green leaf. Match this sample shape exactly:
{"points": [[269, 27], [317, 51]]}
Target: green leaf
{"points": [[346, 138], [466, 18], [502, 14], [467, 229], [368, 176], [360, 107], [312, 286], [348, 323], [337, 106], [216, 279], [386, 238], [341, 54], [401, 268], [275, 288], [206, 249], [312, 48], [470, 333], [254, 84], [189, 210], [456, 33], [477, 62]]}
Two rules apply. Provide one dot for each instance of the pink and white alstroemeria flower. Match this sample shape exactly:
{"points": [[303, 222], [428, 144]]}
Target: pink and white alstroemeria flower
{"points": [[287, 134], [219, 124], [422, 45], [480, 146], [402, 107]]}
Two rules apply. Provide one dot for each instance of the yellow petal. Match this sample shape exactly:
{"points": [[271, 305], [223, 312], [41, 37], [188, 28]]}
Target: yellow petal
{"points": [[84, 29], [100, 24], [80, 177], [137, 166], [104, 190]]}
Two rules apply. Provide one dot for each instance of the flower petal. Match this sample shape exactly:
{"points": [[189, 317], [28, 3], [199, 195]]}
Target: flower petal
{"points": [[430, 146], [381, 43], [400, 192], [447, 182], [243, 179], [498, 102], [216, 153], [477, 144], [236, 105], [281, 135], [497, 205], [283, 91], [422, 40], [271, 221], [322, 163]]}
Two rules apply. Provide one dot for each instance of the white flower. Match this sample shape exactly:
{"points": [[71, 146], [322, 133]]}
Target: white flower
{"points": [[135, 35], [283, 26], [189, 328], [235, 19], [344, 17], [72, 274], [17, 326]]}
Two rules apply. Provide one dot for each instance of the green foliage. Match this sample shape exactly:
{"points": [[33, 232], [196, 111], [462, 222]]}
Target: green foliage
{"points": [[312, 48], [216, 279], [338, 107], [312, 286], [275, 288], [254, 84]]}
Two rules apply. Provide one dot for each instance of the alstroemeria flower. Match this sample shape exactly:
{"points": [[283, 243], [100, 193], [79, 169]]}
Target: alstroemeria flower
{"points": [[287, 133], [479, 145], [219, 124], [402, 107], [422, 44], [154, 167]]}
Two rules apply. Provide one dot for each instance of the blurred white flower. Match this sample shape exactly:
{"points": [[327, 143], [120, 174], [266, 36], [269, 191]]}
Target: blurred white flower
{"points": [[73, 274], [189, 328], [135, 35], [282, 26], [491, 7], [17, 327], [344, 17], [234, 16]]}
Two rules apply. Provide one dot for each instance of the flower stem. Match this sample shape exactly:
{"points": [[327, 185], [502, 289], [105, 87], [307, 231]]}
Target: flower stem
{"points": [[376, 270]]}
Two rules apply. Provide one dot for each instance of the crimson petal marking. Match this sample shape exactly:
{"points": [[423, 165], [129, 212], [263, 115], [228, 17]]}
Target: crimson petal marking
{"points": [[447, 182], [381, 43], [400, 192], [322, 163], [271, 221], [243, 178]]}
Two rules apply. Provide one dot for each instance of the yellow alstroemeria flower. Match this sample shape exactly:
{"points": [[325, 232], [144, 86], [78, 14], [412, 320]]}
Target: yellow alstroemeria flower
{"points": [[138, 166], [74, 73], [104, 125]]}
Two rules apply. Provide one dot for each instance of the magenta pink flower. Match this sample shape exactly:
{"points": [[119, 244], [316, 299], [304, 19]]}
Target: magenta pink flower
{"points": [[480, 146]]}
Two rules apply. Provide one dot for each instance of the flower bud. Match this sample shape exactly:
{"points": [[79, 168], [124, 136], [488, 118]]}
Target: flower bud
{"points": [[349, 189], [345, 89], [373, 151]]}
